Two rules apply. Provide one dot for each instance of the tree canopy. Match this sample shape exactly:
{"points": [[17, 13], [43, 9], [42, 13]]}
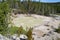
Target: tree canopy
{"points": [[4, 8]]}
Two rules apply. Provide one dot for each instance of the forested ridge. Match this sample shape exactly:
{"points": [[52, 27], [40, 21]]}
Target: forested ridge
{"points": [[29, 6], [33, 7]]}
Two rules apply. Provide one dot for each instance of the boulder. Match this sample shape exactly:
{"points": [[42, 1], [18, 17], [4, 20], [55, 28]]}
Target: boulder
{"points": [[23, 37]]}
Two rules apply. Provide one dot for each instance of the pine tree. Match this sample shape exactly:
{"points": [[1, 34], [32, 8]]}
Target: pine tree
{"points": [[4, 8], [29, 34]]}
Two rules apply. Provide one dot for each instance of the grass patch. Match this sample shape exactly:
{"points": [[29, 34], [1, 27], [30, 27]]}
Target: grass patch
{"points": [[12, 30]]}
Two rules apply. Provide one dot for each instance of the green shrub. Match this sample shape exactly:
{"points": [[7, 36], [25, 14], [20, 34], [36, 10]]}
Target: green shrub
{"points": [[12, 30], [58, 39], [4, 9], [57, 30], [21, 31], [29, 34]]}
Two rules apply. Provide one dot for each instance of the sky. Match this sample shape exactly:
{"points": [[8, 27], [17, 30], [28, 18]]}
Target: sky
{"points": [[49, 0]]}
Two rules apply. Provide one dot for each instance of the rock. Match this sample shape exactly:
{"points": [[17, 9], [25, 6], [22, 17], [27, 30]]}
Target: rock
{"points": [[1, 37], [14, 36], [17, 38], [57, 18], [23, 37]]}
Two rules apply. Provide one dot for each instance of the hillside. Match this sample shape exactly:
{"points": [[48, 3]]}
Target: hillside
{"points": [[41, 8]]}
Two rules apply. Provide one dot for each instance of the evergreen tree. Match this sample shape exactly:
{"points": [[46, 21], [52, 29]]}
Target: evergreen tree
{"points": [[29, 34], [4, 8]]}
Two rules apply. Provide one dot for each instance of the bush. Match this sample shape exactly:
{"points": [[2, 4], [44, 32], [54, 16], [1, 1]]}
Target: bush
{"points": [[29, 34], [57, 30], [21, 31], [58, 39], [12, 30], [4, 9]]}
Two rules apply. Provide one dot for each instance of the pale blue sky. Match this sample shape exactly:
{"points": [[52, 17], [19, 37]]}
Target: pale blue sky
{"points": [[49, 0]]}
